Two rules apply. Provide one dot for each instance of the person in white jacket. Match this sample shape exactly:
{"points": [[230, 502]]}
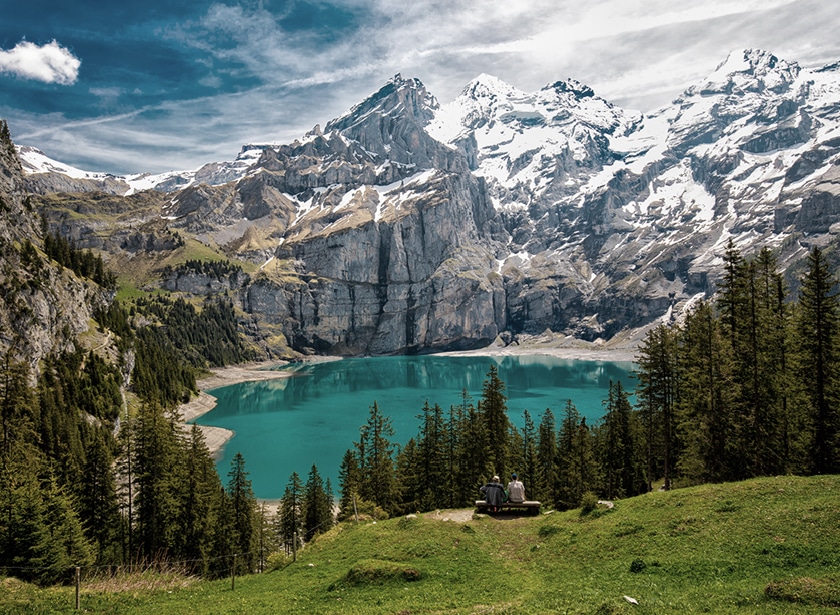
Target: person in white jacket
{"points": [[515, 489]]}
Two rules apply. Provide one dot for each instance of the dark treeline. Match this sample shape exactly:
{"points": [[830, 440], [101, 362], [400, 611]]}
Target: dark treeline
{"points": [[83, 263], [746, 386], [89, 480], [215, 269]]}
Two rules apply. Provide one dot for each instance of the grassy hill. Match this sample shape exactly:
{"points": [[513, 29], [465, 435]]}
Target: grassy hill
{"points": [[762, 546]]}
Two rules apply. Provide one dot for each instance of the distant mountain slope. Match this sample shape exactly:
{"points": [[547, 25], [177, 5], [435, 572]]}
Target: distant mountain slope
{"points": [[409, 226], [45, 306]]}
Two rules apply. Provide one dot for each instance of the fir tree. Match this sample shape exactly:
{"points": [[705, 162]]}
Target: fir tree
{"points": [[98, 510], [290, 513], [658, 376], [545, 487], [61, 544], [317, 506], [818, 322], [375, 455], [349, 481], [243, 506], [493, 410]]}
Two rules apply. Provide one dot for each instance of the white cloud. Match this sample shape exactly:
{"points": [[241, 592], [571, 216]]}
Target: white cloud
{"points": [[50, 63]]}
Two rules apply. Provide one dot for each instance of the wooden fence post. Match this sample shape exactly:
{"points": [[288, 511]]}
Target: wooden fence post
{"points": [[233, 574], [78, 587]]}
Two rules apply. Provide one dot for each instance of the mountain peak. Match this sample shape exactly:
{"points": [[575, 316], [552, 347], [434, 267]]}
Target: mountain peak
{"points": [[489, 86], [398, 95], [749, 70], [573, 86]]}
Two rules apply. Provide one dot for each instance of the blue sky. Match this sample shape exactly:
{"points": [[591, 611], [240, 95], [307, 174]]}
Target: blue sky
{"points": [[171, 84]]}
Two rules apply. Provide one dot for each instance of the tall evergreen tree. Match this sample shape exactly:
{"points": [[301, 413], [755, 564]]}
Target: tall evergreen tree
{"points": [[818, 323], [200, 503], [617, 459], [290, 513], [61, 543], [529, 469], [705, 400], [544, 488], [244, 511], [98, 500], [431, 450], [658, 375], [317, 506], [157, 466], [376, 461], [349, 482], [493, 409], [577, 470]]}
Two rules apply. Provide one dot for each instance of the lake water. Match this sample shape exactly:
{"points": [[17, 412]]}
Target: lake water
{"points": [[286, 425]]}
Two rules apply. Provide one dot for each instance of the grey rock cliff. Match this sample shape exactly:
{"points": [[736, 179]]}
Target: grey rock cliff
{"points": [[409, 226]]}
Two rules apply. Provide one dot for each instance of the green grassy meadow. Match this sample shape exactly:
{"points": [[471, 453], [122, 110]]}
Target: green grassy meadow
{"points": [[762, 546]]}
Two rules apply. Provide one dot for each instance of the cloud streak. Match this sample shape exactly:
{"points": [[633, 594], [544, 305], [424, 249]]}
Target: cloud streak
{"points": [[238, 71], [50, 63]]}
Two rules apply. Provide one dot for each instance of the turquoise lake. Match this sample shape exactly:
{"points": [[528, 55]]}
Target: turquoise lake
{"points": [[313, 416]]}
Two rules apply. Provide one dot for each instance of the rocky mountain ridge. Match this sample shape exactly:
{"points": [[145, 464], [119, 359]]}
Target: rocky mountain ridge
{"points": [[410, 226], [45, 307]]}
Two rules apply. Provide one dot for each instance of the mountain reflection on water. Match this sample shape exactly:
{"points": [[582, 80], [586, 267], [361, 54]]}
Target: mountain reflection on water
{"points": [[313, 417]]}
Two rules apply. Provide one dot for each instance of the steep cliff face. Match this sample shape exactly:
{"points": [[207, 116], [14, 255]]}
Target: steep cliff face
{"points": [[409, 226], [45, 307]]}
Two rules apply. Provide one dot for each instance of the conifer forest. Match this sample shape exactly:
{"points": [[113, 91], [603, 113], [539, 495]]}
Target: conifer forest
{"points": [[746, 385]]}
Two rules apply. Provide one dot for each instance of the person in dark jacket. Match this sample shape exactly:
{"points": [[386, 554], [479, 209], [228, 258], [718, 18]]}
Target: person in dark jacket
{"points": [[494, 494]]}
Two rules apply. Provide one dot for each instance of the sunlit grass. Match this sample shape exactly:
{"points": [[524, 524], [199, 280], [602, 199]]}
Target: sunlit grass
{"points": [[761, 546]]}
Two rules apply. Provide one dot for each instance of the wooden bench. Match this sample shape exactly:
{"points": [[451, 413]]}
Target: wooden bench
{"points": [[528, 506]]}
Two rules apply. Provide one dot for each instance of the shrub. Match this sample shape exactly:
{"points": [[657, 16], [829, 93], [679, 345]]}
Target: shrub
{"points": [[588, 502]]}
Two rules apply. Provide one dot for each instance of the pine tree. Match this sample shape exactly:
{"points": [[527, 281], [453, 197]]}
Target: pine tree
{"points": [[473, 456], [158, 471], [317, 506], [98, 500], [770, 407], [530, 469], [200, 507], [818, 323], [545, 488], [616, 445], [706, 399], [658, 376], [412, 487], [349, 482], [290, 513], [493, 408], [576, 465], [243, 509], [61, 544], [376, 461], [431, 450]]}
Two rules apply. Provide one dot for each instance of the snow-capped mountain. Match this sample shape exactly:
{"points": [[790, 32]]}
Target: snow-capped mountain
{"points": [[532, 147], [47, 175], [406, 225]]}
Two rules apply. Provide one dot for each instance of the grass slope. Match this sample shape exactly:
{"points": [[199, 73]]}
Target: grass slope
{"points": [[761, 546]]}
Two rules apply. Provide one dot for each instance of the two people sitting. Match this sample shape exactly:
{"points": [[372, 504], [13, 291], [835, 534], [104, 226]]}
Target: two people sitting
{"points": [[495, 494]]}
